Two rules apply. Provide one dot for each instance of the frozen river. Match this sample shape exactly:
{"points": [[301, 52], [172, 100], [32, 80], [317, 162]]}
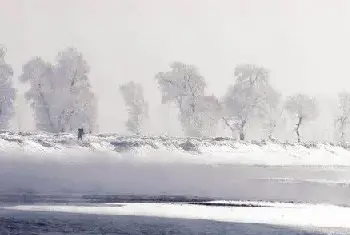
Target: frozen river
{"points": [[57, 200], [24, 223]]}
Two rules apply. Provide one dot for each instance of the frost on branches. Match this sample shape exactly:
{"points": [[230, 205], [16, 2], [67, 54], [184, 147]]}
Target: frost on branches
{"points": [[183, 85], [7, 92], [137, 107], [250, 97], [302, 108], [273, 113], [61, 94], [203, 120]]}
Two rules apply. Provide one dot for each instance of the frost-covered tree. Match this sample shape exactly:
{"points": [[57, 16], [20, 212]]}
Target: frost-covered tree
{"points": [[184, 86], [78, 107], [248, 98], [137, 107], [61, 94], [343, 118], [39, 74], [7, 92], [272, 114], [204, 119], [302, 108]]}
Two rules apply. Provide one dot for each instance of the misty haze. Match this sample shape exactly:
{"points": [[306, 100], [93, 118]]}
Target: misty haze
{"points": [[174, 117]]}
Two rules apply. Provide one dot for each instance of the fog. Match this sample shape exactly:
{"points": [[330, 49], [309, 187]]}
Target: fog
{"points": [[101, 174], [303, 43]]}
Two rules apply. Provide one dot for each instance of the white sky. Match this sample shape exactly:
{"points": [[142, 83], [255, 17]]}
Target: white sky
{"points": [[305, 43]]}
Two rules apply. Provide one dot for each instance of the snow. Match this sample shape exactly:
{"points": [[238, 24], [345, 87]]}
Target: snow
{"points": [[204, 151], [303, 215]]}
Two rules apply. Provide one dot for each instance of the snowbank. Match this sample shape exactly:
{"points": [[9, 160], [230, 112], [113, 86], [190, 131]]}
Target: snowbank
{"points": [[170, 150]]}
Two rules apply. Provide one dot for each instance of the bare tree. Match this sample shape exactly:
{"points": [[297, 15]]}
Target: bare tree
{"points": [[302, 108], [136, 105]]}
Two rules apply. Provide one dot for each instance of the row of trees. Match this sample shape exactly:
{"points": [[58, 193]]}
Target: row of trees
{"points": [[251, 97], [62, 100]]}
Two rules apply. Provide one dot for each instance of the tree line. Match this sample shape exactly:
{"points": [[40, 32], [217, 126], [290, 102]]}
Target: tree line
{"points": [[251, 97], [62, 99]]}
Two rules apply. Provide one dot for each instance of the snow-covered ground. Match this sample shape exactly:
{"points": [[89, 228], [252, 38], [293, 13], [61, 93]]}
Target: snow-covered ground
{"points": [[211, 151]]}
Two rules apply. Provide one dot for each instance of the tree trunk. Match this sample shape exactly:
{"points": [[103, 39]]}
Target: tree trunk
{"points": [[298, 134], [270, 137], [47, 110], [228, 125], [241, 135], [300, 119], [342, 127], [241, 130], [271, 130]]}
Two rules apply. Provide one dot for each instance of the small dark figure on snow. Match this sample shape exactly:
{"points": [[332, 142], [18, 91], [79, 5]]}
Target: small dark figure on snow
{"points": [[80, 133]]}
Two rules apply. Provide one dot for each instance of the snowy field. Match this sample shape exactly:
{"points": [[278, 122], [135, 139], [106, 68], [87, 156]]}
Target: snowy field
{"points": [[56, 184]]}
